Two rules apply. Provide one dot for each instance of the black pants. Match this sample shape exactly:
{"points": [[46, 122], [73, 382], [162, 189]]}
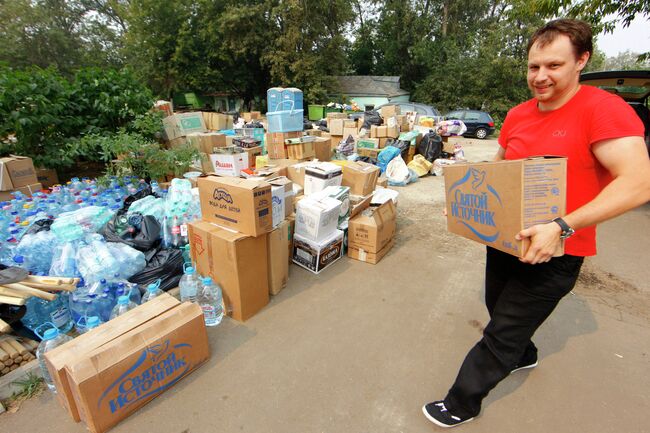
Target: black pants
{"points": [[519, 297]]}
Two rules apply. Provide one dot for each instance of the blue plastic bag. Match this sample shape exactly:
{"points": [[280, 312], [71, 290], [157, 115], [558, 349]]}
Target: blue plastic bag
{"points": [[386, 156]]}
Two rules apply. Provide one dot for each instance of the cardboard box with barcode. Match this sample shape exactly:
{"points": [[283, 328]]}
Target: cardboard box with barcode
{"points": [[316, 256], [370, 233], [278, 257], [114, 380], [361, 177], [16, 172], [237, 262], [317, 217], [239, 204], [183, 124], [57, 358], [320, 175], [490, 202]]}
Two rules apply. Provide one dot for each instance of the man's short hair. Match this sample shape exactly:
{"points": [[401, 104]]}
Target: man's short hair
{"points": [[579, 32]]}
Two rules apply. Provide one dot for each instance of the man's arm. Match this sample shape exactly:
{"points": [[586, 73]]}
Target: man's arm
{"points": [[627, 161], [500, 155]]}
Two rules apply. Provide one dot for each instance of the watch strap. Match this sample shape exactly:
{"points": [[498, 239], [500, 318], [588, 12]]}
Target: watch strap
{"points": [[566, 229]]}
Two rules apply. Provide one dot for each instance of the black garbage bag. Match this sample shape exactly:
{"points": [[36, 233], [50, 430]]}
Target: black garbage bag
{"points": [[307, 124], [431, 146], [254, 124], [372, 118], [39, 226], [166, 265], [141, 233], [135, 197], [321, 123], [367, 159]]}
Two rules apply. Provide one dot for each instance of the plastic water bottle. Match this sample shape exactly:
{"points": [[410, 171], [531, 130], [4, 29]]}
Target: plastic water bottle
{"points": [[51, 339], [153, 290], [123, 305], [92, 322], [189, 285], [210, 299]]}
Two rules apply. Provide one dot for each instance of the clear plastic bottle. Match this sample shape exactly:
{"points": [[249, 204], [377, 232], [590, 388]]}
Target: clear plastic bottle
{"points": [[210, 299], [189, 285], [51, 339], [123, 305], [153, 290]]}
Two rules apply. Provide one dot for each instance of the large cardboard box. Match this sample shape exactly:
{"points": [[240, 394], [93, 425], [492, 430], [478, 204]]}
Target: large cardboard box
{"points": [[390, 111], [336, 126], [317, 217], [296, 172], [370, 153], [217, 121], [361, 177], [372, 229], [491, 202], [15, 172], [300, 151], [116, 379], [229, 164], [368, 143], [252, 154], [47, 177], [354, 132], [274, 142], [27, 190], [362, 255], [316, 256], [323, 148], [342, 194], [237, 262], [58, 358], [278, 257], [321, 175], [183, 124], [239, 204], [287, 186], [206, 141]]}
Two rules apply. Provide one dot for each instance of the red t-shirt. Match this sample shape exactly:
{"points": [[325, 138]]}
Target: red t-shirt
{"points": [[592, 115]]}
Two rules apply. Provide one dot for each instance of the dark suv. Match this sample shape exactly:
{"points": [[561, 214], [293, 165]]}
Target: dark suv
{"points": [[479, 123]]}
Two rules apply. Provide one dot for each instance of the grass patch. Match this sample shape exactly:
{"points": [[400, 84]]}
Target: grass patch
{"points": [[31, 386]]}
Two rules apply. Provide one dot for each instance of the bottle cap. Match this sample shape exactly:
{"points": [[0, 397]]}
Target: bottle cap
{"points": [[189, 270], [207, 281], [92, 322], [51, 333]]}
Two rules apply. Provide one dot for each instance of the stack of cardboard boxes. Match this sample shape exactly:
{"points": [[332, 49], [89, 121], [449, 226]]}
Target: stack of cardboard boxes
{"points": [[17, 174], [108, 373]]}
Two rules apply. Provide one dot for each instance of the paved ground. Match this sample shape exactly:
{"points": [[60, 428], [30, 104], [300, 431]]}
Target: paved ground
{"points": [[360, 348]]}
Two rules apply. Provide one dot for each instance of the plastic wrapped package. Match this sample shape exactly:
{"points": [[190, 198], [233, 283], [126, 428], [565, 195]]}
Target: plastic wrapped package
{"points": [[64, 260], [386, 155], [447, 128]]}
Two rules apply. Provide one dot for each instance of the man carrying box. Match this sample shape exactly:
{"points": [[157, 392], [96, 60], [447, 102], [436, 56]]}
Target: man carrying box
{"points": [[608, 174]]}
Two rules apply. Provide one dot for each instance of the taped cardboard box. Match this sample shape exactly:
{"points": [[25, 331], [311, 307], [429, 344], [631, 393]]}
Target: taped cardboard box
{"points": [[336, 126], [27, 190], [206, 141], [183, 124], [373, 228], [491, 202], [362, 255], [301, 151], [317, 256], [16, 172], [58, 358], [354, 132], [237, 262], [122, 375], [335, 115], [323, 148], [278, 257], [361, 177], [239, 204], [335, 141], [217, 121], [274, 142], [390, 111]]}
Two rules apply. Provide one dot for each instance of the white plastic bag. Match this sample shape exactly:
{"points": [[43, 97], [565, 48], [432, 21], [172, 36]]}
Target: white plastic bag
{"points": [[397, 171]]}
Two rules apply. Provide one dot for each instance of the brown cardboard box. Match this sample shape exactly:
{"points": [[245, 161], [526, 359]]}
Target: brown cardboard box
{"points": [[182, 124], [381, 131], [206, 141], [335, 140], [389, 111], [239, 204], [392, 131], [361, 177], [362, 255], [274, 142], [330, 116], [27, 190], [296, 172], [354, 132], [382, 181], [237, 262], [173, 144], [370, 153], [373, 131], [217, 121], [252, 152], [349, 123], [122, 375], [205, 164], [231, 140], [383, 142], [288, 192], [278, 245], [372, 229], [323, 148], [316, 133], [47, 177], [490, 202], [276, 167], [15, 172], [71, 352], [359, 204], [336, 126], [301, 151]]}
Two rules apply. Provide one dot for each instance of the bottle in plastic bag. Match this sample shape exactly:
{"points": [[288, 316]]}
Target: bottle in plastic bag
{"points": [[153, 290], [123, 305], [189, 285], [210, 299], [51, 339]]}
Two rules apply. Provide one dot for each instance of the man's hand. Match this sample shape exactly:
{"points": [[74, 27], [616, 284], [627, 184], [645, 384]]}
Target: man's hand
{"points": [[544, 242]]}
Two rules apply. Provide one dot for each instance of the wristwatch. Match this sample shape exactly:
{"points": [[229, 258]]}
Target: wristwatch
{"points": [[567, 231]]}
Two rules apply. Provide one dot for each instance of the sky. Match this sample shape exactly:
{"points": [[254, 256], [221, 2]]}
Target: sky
{"points": [[635, 38]]}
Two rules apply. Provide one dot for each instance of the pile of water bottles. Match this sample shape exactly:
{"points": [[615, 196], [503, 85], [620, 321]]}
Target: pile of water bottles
{"points": [[69, 245]]}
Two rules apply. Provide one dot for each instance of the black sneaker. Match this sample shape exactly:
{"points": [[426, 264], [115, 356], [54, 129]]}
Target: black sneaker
{"points": [[528, 361], [437, 413]]}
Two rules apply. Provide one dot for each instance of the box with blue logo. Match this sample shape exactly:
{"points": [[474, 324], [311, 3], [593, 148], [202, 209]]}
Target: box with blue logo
{"points": [[116, 379], [490, 202]]}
